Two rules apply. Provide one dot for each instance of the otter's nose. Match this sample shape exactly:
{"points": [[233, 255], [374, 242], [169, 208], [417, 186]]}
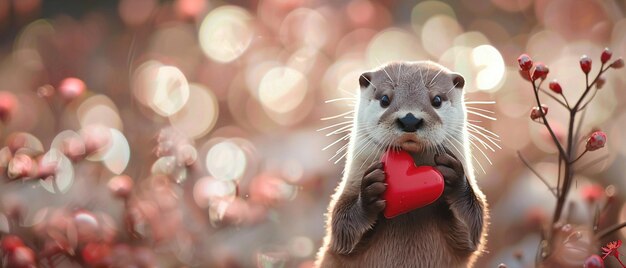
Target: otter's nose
{"points": [[409, 123]]}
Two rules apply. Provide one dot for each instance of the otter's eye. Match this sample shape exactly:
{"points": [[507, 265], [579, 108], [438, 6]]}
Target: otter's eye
{"points": [[436, 101], [385, 101]]}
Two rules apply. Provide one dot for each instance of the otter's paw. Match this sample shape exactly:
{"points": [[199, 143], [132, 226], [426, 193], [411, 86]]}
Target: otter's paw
{"points": [[372, 187], [452, 170]]}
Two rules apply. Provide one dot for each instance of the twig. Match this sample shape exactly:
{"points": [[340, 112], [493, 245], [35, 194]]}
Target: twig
{"points": [[609, 230], [554, 98], [521, 157], [581, 155], [545, 120]]}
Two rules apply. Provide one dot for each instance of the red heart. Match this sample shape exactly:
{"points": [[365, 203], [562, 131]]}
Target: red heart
{"points": [[408, 186]]}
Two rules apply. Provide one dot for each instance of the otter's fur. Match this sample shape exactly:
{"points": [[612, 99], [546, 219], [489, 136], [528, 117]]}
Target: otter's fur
{"points": [[448, 233]]}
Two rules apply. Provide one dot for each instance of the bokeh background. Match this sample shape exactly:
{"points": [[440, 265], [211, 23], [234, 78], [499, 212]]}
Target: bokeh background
{"points": [[184, 133]]}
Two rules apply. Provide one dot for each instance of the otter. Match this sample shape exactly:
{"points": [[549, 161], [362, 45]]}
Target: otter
{"points": [[417, 107]]}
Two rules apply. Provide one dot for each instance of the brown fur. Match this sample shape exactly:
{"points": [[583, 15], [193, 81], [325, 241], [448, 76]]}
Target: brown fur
{"points": [[447, 233]]}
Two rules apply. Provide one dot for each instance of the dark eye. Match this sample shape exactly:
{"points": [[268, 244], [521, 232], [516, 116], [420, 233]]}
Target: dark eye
{"points": [[385, 101], [436, 101]]}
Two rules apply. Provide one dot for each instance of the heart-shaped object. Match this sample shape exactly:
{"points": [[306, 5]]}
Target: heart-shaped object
{"points": [[408, 186]]}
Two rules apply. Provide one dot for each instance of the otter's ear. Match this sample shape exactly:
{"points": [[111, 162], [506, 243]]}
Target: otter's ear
{"points": [[457, 80], [365, 80]]}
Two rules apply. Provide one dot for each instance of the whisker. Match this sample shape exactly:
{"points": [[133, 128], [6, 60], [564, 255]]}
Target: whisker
{"points": [[340, 99], [434, 77], [335, 125], [480, 102], [337, 116], [369, 82], [479, 109], [481, 115]]}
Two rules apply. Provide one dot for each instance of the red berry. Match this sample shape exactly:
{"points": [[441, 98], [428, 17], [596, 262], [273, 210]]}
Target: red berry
{"points": [[619, 63], [536, 114], [606, 55], [585, 64], [596, 141], [541, 71], [525, 62], [11, 242], [556, 87], [594, 261], [601, 81]]}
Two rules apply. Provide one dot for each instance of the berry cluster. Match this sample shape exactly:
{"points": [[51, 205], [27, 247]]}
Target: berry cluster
{"points": [[536, 74]]}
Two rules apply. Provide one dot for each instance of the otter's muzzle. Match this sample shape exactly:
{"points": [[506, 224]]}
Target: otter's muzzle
{"points": [[409, 123]]}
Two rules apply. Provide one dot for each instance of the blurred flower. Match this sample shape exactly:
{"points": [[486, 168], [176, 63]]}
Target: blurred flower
{"points": [[96, 138], [606, 55], [556, 87], [21, 257], [541, 71], [95, 254], [612, 248], [20, 166], [11, 242], [8, 105], [596, 141], [594, 261], [585, 64]]}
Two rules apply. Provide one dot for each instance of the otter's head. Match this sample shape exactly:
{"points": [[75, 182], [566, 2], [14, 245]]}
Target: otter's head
{"points": [[415, 106]]}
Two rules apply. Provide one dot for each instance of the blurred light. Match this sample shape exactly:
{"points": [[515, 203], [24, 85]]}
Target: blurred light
{"points": [[171, 92], [71, 87], [471, 39], [99, 110], [226, 161], [64, 175], [225, 33], [394, 44], [4, 224], [292, 171], [190, 8], [160, 87], [136, 12], [208, 190], [438, 34], [512, 6], [201, 102], [424, 10], [282, 89], [117, 157], [304, 27], [98, 141], [38, 217], [545, 45], [490, 64], [164, 165], [19, 140], [268, 190], [28, 43], [301, 246], [303, 59]]}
